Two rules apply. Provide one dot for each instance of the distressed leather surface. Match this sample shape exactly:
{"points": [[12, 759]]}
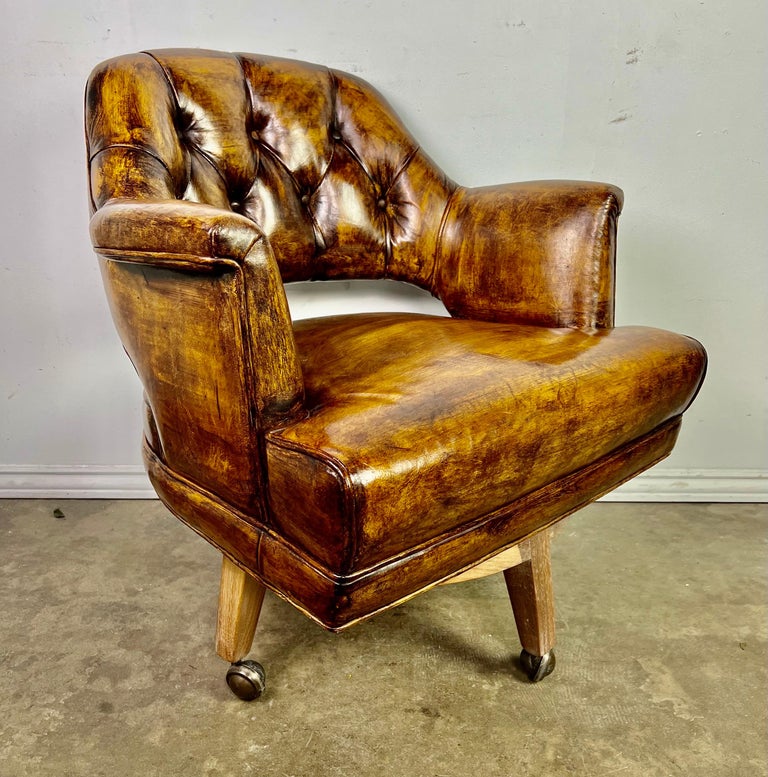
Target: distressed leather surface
{"points": [[215, 178], [418, 424]]}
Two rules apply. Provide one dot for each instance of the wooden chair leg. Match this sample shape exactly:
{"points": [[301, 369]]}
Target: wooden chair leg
{"points": [[530, 591], [240, 600]]}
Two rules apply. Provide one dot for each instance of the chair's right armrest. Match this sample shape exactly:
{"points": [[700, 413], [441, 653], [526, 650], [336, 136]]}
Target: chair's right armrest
{"points": [[199, 304], [540, 252]]}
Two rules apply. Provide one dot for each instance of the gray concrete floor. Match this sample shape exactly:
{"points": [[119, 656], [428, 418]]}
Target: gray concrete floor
{"points": [[107, 664]]}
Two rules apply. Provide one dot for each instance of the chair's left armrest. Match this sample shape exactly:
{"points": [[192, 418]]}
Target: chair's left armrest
{"points": [[541, 252], [191, 235], [196, 239], [197, 298]]}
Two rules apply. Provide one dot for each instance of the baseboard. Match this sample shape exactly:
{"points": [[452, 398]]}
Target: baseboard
{"points": [[694, 485], [98, 481], [79, 481]]}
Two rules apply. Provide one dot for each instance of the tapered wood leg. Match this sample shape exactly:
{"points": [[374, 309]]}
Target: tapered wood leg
{"points": [[240, 599], [530, 591]]}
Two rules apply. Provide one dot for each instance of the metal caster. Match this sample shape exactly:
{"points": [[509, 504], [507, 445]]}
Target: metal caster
{"points": [[247, 680], [537, 667]]}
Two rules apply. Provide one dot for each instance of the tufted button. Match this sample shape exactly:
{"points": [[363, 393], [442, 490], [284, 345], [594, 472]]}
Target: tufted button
{"points": [[381, 203], [235, 205], [335, 134], [305, 199], [255, 134]]}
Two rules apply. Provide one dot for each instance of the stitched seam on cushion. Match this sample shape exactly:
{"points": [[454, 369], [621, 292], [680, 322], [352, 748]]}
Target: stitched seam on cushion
{"points": [[599, 237], [204, 154], [249, 384], [262, 144], [322, 243], [167, 75], [264, 529], [351, 150], [175, 93], [440, 234], [400, 170], [339, 470], [132, 147], [616, 208], [88, 155], [388, 243], [489, 517], [249, 98]]}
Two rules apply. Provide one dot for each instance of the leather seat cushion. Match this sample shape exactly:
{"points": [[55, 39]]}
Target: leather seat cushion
{"points": [[420, 425]]}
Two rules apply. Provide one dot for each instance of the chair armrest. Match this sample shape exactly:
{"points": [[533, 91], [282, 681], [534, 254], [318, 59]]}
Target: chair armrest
{"points": [[541, 252], [189, 235], [196, 296]]}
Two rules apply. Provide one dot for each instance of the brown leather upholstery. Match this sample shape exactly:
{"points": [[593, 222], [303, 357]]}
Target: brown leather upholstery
{"points": [[330, 176], [352, 461], [453, 419]]}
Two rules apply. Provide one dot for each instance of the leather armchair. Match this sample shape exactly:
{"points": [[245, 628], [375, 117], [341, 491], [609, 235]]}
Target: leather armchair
{"points": [[348, 463]]}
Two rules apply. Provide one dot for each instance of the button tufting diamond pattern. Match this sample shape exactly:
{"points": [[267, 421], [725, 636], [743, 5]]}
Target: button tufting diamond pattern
{"points": [[314, 157]]}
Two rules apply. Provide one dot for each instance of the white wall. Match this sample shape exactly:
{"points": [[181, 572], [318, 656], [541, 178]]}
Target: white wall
{"points": [[666, 98]]}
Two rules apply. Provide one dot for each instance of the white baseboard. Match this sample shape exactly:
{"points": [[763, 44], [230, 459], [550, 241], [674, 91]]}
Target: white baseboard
{"points": [[694, 485], [78, 481], [98, 481]]}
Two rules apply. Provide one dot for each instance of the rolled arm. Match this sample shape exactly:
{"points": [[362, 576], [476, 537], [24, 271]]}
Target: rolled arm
{"points": [[197, 299], [540, 252], [163, 232]]}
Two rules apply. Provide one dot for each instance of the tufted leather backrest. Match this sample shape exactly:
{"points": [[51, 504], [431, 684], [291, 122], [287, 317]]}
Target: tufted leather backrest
{"points": [[315, 157]]}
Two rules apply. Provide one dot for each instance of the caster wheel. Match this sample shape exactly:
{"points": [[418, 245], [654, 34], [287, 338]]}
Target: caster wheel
{"points": [[246, 679], [537, 667]]}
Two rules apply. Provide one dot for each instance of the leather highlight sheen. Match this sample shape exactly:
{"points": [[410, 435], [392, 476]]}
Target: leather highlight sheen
{"points": [[433, 420], [349, 462]]}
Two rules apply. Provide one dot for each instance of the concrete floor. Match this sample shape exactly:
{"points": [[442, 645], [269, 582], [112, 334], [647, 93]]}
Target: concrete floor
{"points": [[107, 665]]}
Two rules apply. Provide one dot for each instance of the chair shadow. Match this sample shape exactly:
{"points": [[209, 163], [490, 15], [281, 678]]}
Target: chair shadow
{"points": [[420, 627]]}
